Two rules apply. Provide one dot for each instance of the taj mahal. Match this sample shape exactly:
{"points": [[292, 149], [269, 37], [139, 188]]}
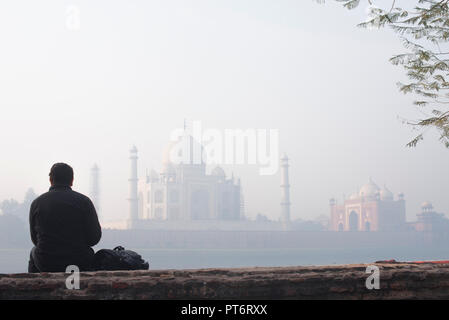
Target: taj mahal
{"points": [[182, 196]]}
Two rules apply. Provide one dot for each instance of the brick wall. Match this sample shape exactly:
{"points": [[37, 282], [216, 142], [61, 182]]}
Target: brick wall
{"points": [[397, 281]]}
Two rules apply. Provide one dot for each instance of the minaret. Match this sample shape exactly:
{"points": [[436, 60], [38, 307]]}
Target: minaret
{"points": [[285, 198], [133, 201], [95, 188]]}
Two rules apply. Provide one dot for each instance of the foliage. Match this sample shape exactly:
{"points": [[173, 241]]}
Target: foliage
{"points": [[20, 210], [423, 27]]}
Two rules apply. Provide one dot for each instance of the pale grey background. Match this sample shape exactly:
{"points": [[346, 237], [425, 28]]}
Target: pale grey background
{"points": [[136, 69]]}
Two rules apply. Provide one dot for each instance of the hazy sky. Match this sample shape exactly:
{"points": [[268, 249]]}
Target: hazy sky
{"points": [[135, 69]]}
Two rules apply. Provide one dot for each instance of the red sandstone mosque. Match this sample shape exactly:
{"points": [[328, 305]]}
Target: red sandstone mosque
{"points": [[370, 209]]}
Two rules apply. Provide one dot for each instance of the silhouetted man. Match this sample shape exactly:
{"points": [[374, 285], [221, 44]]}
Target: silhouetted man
{"points": [[63, 225]]}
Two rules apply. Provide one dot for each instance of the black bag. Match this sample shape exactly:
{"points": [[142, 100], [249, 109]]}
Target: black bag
{"points": [[119, 259]]}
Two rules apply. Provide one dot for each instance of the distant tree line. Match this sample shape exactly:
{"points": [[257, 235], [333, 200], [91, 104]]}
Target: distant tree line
{"points": [[14, 226]]}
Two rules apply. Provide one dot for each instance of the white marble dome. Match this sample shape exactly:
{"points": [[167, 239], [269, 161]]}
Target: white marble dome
{"points": [[369, 190]]}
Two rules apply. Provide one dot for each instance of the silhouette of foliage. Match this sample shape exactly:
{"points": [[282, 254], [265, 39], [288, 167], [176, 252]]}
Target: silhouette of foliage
{"points": [[21, 210], [14, 227], [424, 31]]}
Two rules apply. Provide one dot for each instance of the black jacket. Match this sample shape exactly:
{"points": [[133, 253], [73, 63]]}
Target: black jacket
{"points": [[64, 226]]}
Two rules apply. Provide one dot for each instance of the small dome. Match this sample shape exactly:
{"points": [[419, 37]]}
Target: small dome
{"points": [[426, 205], [218, 172], [168, 168], [369, 190], [353, 196], [386, 194], [154, 175]]}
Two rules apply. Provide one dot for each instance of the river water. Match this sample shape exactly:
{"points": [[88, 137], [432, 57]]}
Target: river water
{"points": [[16, 260]]}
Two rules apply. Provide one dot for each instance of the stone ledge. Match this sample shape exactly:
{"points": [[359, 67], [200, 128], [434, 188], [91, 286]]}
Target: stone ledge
{"points": [[397, 281]]}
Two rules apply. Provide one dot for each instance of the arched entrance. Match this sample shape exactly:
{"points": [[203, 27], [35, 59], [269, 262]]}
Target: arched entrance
{"points": [[340, 227], [353, 221]]}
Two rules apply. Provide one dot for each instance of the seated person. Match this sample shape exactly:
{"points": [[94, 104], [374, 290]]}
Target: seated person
{"points": [[63, 225]]}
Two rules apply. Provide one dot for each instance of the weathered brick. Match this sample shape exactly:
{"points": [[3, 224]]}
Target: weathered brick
{"points": [[397, 281]]}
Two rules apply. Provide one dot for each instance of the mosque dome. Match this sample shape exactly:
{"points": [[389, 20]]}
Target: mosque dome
{"points": [[353, 196], [386, 194], [426, 205], [218, 172], [369, 190]]}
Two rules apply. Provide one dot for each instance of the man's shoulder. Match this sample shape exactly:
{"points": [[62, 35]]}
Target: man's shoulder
{"points": [[72, 193], [40, 198], [80, 196]]}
